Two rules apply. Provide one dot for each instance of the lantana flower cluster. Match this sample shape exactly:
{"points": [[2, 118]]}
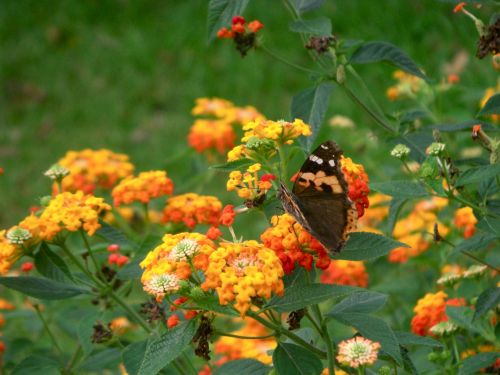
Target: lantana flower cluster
{"points": [[143, 188], [345, 272], [192, 209], [249, 185], [408, 86], [90, 169], [242, 33], [9, 253], [357, 181], [465, 219]]}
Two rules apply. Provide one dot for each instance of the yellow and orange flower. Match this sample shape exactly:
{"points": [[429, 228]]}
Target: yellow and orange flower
{"points": [[431, 310], [242, 271], [282, 132], [216, 107], [143, 188], [293, 244], [345, 272], [192, 209], [9, 254], [171, 261], [90, 169], [248, 185], [357, 180], [4, 304], [408, 86], [211, 134], [464, 218]]}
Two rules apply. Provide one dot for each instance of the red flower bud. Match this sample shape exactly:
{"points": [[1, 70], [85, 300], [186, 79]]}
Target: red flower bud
{"points": [[172, 321], [113, 248], [27, 267], [255, 26], [238, 20]]}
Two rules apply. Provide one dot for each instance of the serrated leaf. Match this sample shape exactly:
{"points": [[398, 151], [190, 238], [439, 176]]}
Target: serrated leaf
{"points": [[407, 338], [360, 302], [221, 12], [400, 189], [113, 235], [478, 174], [477, 242], [492, 106], [163, 350], [42, 288], [243, 367], [310, 106], [37, 364], [487, 300], [373, 328], [105, 359], [321, 26], [382, 51], [233, 165], [132, 356], [366, 245], [299, 296], [395, 208], [51, 265], [472, 365], [303, 6], [294, 360]]}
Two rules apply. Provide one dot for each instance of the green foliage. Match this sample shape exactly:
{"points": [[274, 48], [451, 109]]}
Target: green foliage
{"points": [[294, 360], [321, 26], [473, 364], [42, 288], [51, 265], [486, 301], [243, 367], [400, 189], [220, 13], [365, 246], [492, 106]]}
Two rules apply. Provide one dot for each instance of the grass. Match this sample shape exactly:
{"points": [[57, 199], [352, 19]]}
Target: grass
{"points": [[123, 75]]}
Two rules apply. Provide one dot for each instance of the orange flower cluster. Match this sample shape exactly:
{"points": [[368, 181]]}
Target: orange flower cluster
{"points": [[248, 185], [407, 87], [345, 272], [218, 134], [173, 260], [238, 28], [192, 209], [464, 218], [294, 244], [143, 188], [242, 271], [415, 228], [431, 310], [357, 180], [66, 211], [9, 254], [90, 169], [232, 348]]}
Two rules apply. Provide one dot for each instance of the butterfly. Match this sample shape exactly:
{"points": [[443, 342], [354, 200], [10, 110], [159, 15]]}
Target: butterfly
{"points": [[319, 199]]}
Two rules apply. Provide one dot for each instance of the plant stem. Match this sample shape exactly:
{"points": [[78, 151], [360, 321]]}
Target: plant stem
{"points": [[47, 329], [455, 348], [74, 358], [286, 62], [82, 268], [138, 319], [288, 334], [91, 253]]}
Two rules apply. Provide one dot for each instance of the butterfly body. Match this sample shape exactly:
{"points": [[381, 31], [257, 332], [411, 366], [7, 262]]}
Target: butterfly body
{"points": [[319, 199]]}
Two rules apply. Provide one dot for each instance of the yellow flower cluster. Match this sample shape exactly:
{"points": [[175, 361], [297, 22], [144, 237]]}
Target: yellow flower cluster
{"points": [[242, 271], [415, 228], [143, 188], [90, 169], [248, 185], [224, 109], [8, 254], [192, 209], [170, 262], [282, 132], [70, 211], [407, 87]]}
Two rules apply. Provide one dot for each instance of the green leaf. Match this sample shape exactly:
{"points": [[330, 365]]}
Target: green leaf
{"points": [[105, 359], [310, 106], [51, 265], [487, 300], [366, 245], [297, 277], [321, 26], [394, 209], [303, 6], [233, 165], [84, 332], [243, 367], [292, 359], [492, 106], [360, 302], [211, 303], [463, 317], [37, 364], [478, 174], [221, 12], [114, 235], [465, 126], [489, 224], [42, 288], [299, 296], [407, 338], [382, 51], [400, 189], [375, 329], [163, 350], [477, 242], [407, 362], [473, 364], [132, 356]]}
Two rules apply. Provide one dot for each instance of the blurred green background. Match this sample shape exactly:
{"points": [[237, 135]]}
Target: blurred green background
{"points": [[124, 75]]}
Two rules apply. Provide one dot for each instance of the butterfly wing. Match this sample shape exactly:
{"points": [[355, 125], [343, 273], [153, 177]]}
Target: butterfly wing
{"points": [[320, 195]]}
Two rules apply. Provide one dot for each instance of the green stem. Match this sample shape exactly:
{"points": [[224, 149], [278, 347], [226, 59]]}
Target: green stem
{"points": [[82, 268], [47, 329], [91, 253], [190, 363], [146, 216], [455, 348], [282, 163], [179, 368], [288, 334], [243, 337], [313, 321], [285, 61], [74, 358], [138, 319]]}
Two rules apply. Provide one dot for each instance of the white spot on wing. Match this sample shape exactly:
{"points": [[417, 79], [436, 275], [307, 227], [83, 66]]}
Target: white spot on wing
{"points": [[331, 162], [319, 161], [324, 147]]}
